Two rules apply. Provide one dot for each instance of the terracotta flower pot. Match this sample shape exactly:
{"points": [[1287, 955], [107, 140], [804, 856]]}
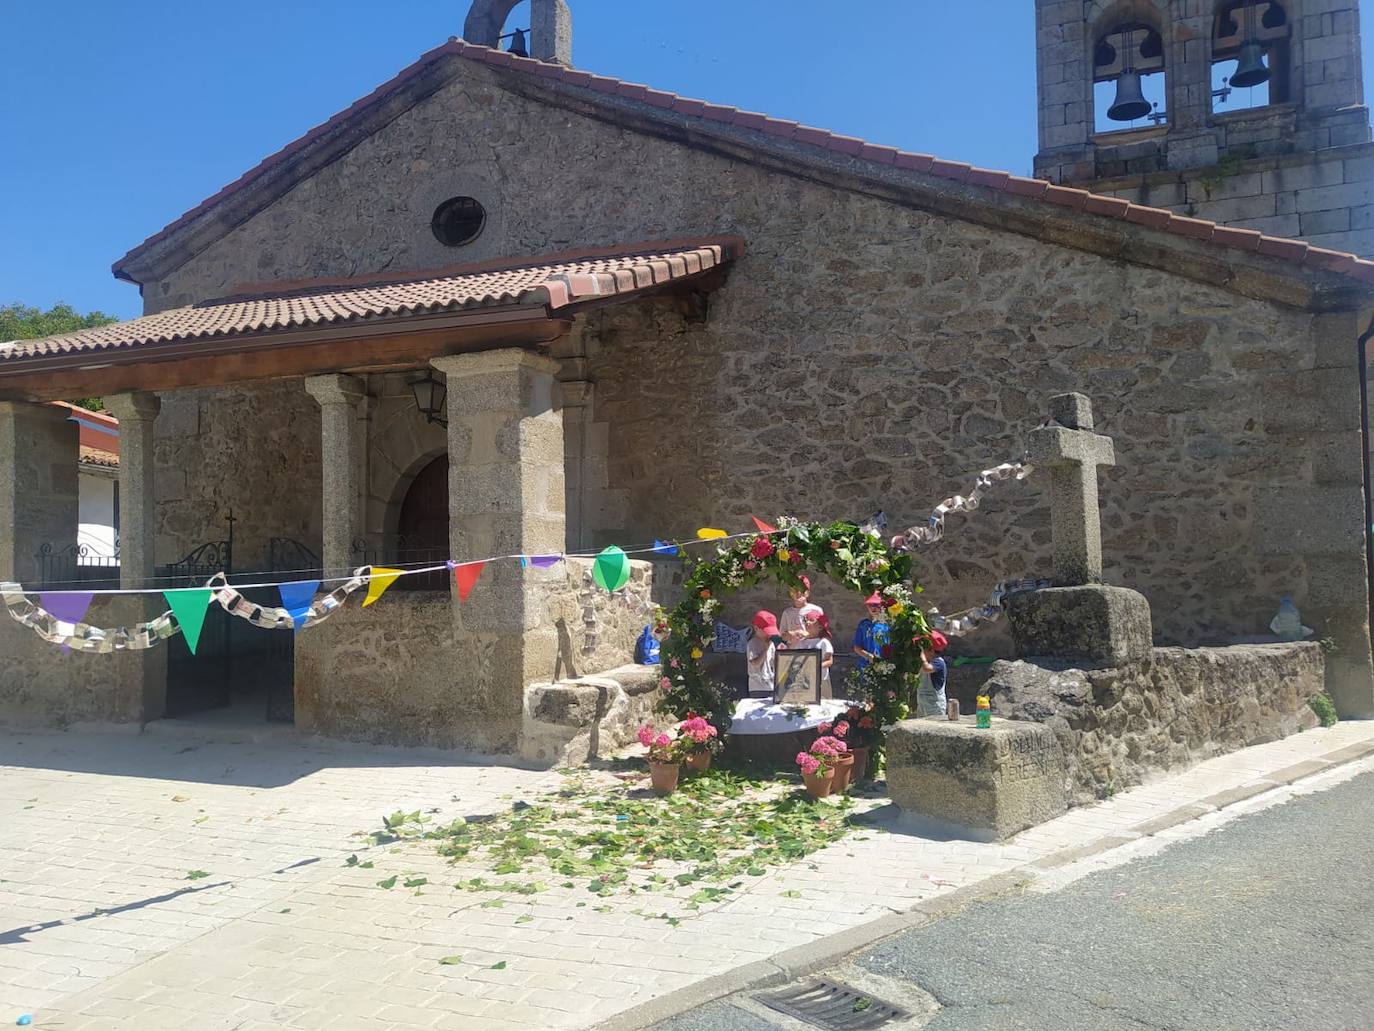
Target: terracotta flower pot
{"points": [[699, 762], [663, 777], [860, 771], [818, 785], [844, 768]]}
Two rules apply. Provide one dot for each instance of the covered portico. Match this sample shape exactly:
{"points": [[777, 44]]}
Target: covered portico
{"points": [[497, 341]]}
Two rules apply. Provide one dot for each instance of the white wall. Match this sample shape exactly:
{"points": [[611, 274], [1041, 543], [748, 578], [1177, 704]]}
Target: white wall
{"points": [[96, 527]]}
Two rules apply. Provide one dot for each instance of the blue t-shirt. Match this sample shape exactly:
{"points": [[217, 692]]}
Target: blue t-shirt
{"points": [[939, 673], [871, 637]]}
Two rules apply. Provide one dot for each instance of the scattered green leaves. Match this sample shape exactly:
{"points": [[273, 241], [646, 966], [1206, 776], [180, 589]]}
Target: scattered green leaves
{"points": [[498, 965], [388, 883], [195, 875], [450, 961], [415, 882]]}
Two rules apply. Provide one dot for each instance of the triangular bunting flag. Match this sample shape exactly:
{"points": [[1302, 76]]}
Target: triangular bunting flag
{"points": [[664, 548], [465, 575], [190, 606], [296, 599], [544, 561], [381, 579], [67, 606], [710, 533], [763, 527]]}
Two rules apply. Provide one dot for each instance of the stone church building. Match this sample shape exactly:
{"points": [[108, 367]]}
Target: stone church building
{"points": [[504, 306]]}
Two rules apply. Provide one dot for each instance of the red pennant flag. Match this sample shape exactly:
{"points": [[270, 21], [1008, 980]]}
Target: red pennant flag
{"points": [[465, 575], [763, 527]]}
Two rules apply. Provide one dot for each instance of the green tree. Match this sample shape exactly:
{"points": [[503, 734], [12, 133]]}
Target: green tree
{"points": [[22, 322]]}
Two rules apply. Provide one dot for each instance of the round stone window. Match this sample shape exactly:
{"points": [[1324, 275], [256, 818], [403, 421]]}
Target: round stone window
{"points": [[457, 221]]}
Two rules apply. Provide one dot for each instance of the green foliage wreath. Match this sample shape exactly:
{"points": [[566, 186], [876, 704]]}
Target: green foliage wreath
{"points": [[857, 559]]}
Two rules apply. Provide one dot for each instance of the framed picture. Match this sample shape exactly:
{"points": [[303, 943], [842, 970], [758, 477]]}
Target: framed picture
{"points": [[797, 680]]}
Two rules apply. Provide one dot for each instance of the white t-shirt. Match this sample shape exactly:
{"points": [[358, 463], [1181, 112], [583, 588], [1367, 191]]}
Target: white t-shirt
{"points": [[760, 673], [827, 648], [794, 618]]}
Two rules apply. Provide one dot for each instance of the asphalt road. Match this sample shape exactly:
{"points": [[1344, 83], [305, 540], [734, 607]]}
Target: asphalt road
{"points": [[1265, 924]]}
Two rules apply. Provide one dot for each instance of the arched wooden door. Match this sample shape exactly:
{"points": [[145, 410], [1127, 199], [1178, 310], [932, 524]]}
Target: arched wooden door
{"points": [[422, 530]]}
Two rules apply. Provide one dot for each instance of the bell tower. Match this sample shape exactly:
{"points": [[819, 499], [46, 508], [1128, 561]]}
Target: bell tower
{"points": [[550, 28], [1245, 112]]}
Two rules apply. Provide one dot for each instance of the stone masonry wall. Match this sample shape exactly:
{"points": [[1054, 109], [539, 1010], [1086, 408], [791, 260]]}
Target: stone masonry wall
{"points": [[399, 672], [1117, 726], [864, 355]]}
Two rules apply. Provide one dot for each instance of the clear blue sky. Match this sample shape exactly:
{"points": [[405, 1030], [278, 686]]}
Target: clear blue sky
{"points": [[119, 117]]}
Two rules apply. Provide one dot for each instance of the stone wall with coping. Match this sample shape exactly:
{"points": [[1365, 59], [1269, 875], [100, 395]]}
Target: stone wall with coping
{"points": [[404, 671], [1118, 726], [866, 355]]}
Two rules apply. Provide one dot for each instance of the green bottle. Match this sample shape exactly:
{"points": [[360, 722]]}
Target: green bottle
{"points": [[984, 714]]}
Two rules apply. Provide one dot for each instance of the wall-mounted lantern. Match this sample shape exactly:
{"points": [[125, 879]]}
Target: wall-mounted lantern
{"points": [[430, 397]]}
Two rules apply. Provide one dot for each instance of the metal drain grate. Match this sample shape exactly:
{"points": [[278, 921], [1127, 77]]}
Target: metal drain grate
{"points": [[833, 1006]]}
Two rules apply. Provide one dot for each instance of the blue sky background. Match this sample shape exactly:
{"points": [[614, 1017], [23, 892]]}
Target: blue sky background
{"points": [[117, 118]]}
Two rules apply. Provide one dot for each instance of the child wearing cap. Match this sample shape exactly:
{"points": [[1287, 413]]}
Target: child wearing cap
{"points": [[760, 652], [818, 636], [791, 625], [930, 690], [871, 633]]}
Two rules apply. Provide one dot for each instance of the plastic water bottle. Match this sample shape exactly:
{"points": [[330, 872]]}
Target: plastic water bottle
{"points": [[1287, 624], [984, 712]]}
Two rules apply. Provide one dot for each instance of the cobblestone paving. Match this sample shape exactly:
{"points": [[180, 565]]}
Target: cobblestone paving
{"points": [[105, 922]]}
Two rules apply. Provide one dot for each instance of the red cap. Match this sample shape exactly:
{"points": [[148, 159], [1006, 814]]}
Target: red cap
{"points": [[765, 621], [937, 642]]}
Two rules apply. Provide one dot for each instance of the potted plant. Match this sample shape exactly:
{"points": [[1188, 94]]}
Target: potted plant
{"points": [[861, 734], [665, 759], [818, 766], [832, 742], [699, 739]]}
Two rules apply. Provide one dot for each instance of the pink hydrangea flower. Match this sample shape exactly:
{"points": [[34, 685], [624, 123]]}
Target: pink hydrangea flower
{"points": [[807, 763], [824, 728], [665, 683], [662, 741], [829, 746], [841, 728], [646, 735]]}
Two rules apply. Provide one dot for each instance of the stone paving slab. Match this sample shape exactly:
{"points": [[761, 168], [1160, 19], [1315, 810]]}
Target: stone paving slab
{"points": [[281, 933]]}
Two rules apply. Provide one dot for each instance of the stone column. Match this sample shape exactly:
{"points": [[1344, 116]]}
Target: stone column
{"points": [[142, 675], [38, 485], [136, 413], [338, 397], [506, 497], [577, 413]]}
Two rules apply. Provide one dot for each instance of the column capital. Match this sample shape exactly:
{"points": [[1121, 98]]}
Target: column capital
{"points": [[335, 389], [505, 359], [135, 406]]}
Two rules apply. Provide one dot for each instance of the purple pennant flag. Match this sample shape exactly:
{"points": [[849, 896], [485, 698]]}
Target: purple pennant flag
{"points": [[67, 607], [545, 561]]}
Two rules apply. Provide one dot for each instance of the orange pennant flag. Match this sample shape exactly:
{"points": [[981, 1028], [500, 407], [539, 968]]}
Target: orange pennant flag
{"points": [[763, 527], [465, 576]]}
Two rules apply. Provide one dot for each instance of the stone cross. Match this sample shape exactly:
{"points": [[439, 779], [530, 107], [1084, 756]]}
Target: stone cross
{"points": [[1072, 453]]}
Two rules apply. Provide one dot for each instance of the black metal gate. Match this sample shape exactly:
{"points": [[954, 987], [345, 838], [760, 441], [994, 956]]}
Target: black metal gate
{"points": [[204, 680]]}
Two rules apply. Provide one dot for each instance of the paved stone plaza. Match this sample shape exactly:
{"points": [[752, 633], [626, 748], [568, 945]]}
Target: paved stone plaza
{"points": [[104, 926]]}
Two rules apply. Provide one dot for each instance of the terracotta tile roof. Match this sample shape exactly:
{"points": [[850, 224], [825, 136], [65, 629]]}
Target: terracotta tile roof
{"points": [[1158, 218], [94, 456], [555, 281]]}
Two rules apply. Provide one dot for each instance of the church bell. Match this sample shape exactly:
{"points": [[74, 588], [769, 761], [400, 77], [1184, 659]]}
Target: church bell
{"points": [[517, 44], [1130, 102], [1250, 66]]}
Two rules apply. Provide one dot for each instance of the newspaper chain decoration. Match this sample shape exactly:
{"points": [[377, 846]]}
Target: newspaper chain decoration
{"points": [[980, 615], [82, 637], [935, 525]]}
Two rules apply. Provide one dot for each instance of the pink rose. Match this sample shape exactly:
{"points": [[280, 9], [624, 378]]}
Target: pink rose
{"points": [[665, 683], [762, 548], [750, 564]]}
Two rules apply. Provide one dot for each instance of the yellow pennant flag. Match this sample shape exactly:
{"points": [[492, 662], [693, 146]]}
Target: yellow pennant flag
{"points": [[381, 579], [708, 533]]}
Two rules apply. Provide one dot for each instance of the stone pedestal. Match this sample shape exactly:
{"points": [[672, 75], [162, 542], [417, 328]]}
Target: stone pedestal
{"points": [[985, 785], [1093, 623]]}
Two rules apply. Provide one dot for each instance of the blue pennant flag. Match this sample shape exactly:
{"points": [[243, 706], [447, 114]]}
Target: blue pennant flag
{"points": [[296, 599], [664, 548]]}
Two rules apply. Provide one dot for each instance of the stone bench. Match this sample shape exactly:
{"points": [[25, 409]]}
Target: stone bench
{"points": [[985, 785]]}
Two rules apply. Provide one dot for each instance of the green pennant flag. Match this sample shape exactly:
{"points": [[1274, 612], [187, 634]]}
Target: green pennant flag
{"points": [[189, 607]]}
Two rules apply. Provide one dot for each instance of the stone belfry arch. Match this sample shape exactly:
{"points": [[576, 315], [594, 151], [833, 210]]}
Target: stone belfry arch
{"points": [[1297, 163], [550, 27]]}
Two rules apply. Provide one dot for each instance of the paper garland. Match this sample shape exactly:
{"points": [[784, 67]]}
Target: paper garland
{"points": [[611, 570], [980, 615], [189, 607], [465, 575], [381, 579], [935, 525]]}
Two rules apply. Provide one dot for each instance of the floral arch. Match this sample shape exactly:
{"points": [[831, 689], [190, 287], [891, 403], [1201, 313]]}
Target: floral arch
{"points": [[854, 557]]}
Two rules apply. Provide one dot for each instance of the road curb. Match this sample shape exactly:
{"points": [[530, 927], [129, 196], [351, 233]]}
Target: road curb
{"points": [[802, 960]]}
